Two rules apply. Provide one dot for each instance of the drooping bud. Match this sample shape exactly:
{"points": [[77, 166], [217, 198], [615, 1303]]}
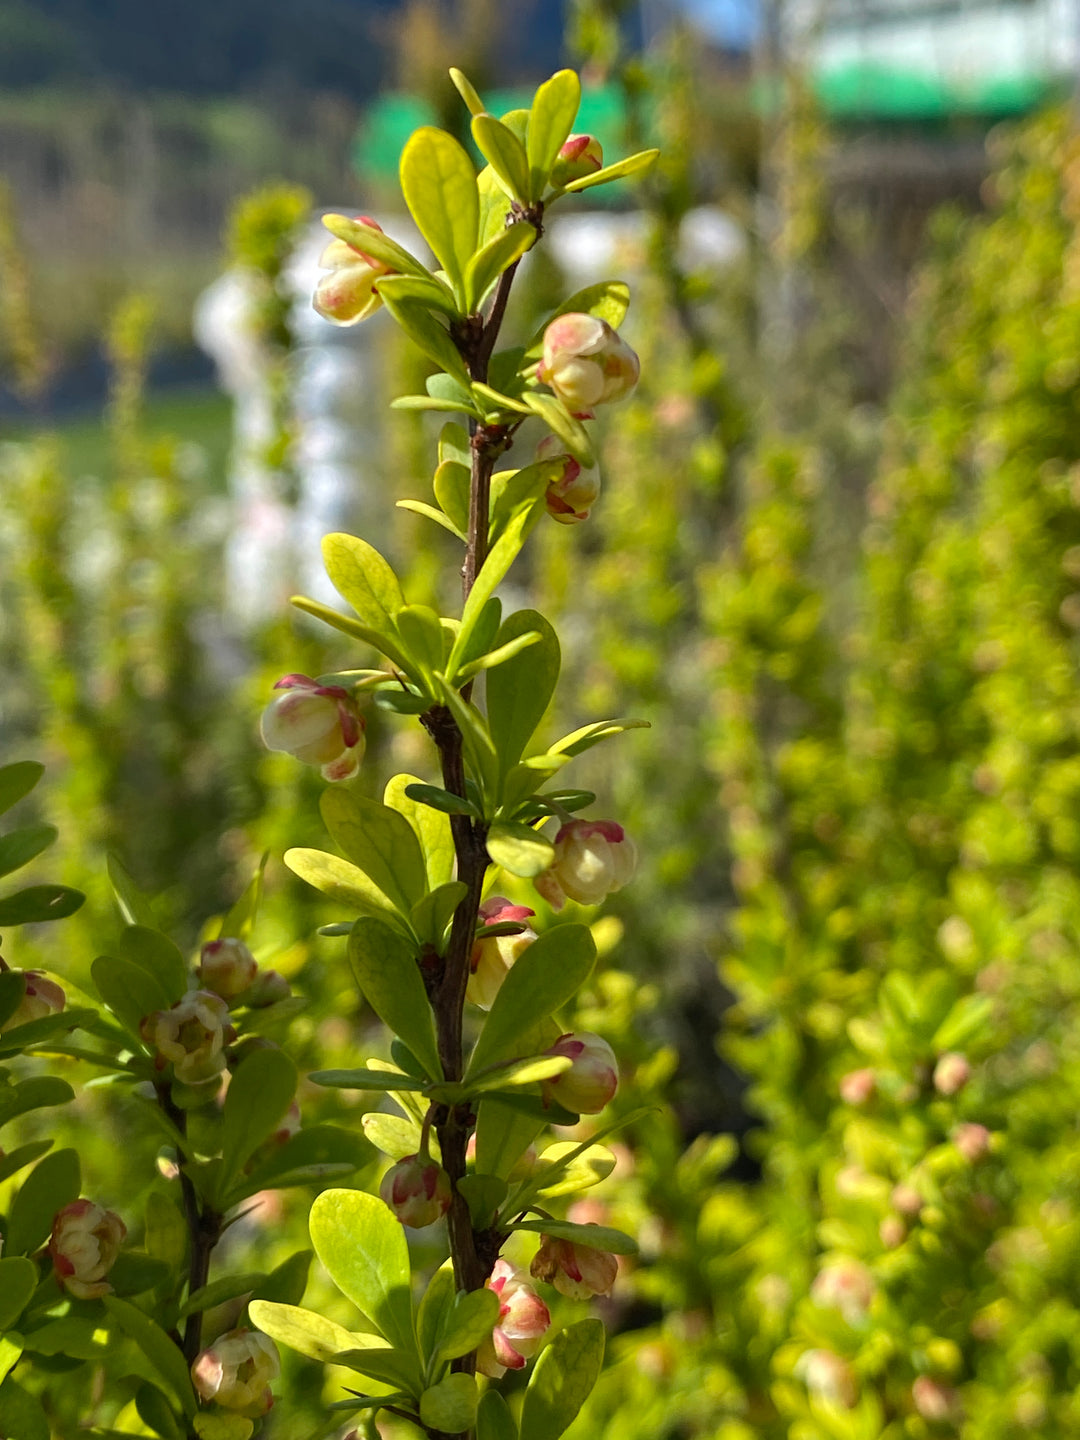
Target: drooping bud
{"points": [[845, 1285], [951, 1073], [226, 967], [581, 155], [593, 1076], [857, 1086], [268, 987], [318, 724], [576, 1271], [972, 1141], [41, 997], [417, 1190], [586, 363], [593, 858], [349, 293], [493, 958], [84, 1243], [523, 1323], [569, 498], [191, 1037], [235, 1372]]}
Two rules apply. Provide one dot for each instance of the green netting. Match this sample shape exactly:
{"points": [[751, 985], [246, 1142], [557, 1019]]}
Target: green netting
{"points": [[867, 90]]}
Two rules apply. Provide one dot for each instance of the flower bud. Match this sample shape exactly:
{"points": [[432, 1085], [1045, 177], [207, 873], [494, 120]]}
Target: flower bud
{"points": [[318, 724], [268, 987], [576, 1271], [418, 1191], [828, 1376], [569, 498], [523, 1323], [906, 1199], [586, 363], [84, 1243], [493, 958], [972, 1141], [226, 967], [857, 1086], [892, 1232], [581, 155], [41, 997], [191, 1037], [235, 1372], [593, 1076], [951, 1074], [934, 1401], [349, 293], [593, 858], [845, 1285]]}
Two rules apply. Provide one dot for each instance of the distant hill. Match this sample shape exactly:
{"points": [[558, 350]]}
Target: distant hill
{"points": [[226, 46]]}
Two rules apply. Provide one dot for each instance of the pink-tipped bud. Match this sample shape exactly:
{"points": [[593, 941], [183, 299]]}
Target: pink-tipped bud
{"points": [[226, 967], [828, 1376], [906, 1199], [418, 1191], [268, 987], [318, 724], [349, 293], [593, 1076], [523, 1322], [235, 1372], [571, 496], [492, 959], [41, 997], [84, 1243], [892, 1232], [857, 1086], [972, 1141], [581, 155], [951, 1073], [934, 1402], [593, 858], [586, 363], [844, 1285], [191, 1037], [576, 1271]]}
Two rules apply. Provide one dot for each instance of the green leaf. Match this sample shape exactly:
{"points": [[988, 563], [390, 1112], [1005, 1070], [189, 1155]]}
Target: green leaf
{"points": [[21, 1413], [454, 444], [136, 1272], [483, 1195], [621, 170], [966, 1020], [505, 153], [19, 847], [35, 1093], [12, 1161], [562, 1380], [343, 882], [510, 489], [484, 632], [316, 1153], [41, 1032], [437, 799], [421, 507], [431, 338], [383, 639], [129, 991], [464, 87], [18, 1281], [12, 990], [550, 121], [220, 1425], [17, 780], [389, 1080], [608, 300], [155, 1411], [596, 1237], [529, 1071], [376, 244], [519, 849], [387, 973], [395, 1135], [470, 1321], [584, 739], [159, 957], [380, 840], [450, 1406], [134, 906], [435, 1309], [561, 423], [422, 633], [363, 1247], [430, 292], [499, 559], [260, 1093], [165, 1235], [493, 1418], [503, 1134], [38, 903], [286, 1283], [496, 402], [227, 1288], [433, 402], [361, 576], [432, 916], [439, 185], [71, 1336], [545, 977], [451, 486], [166, 1358], [495, 658], [240, 921], [10, 1352], [520, 690], [445, 387], [302, 1330], [48, 1188], [497, 255]]}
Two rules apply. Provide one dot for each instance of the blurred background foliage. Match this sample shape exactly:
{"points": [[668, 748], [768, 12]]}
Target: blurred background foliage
{"points": [[836, 563]]}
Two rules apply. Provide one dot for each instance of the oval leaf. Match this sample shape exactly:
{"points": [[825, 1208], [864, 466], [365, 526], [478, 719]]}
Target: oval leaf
{"points": [[520, 849], [260, 1092], [363, 1247], [520, 689], [439, 185], [386, 971], [563, 1380]]}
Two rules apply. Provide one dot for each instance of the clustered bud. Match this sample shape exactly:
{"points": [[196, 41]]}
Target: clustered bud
{"points": [[191, 1037], [827, 1375], [972, 1141], [951, 1073], [235, 1372], [523, 1323], [493, 958], [576, 1271], [586, 363], [41, 997], [349, 293], [593, 858], [318, 724], [569, 498], [84, 1244], [845, 1285], [226, 967], [857, 1086], [581, 155], [593, 1076], [417, 1190]]}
